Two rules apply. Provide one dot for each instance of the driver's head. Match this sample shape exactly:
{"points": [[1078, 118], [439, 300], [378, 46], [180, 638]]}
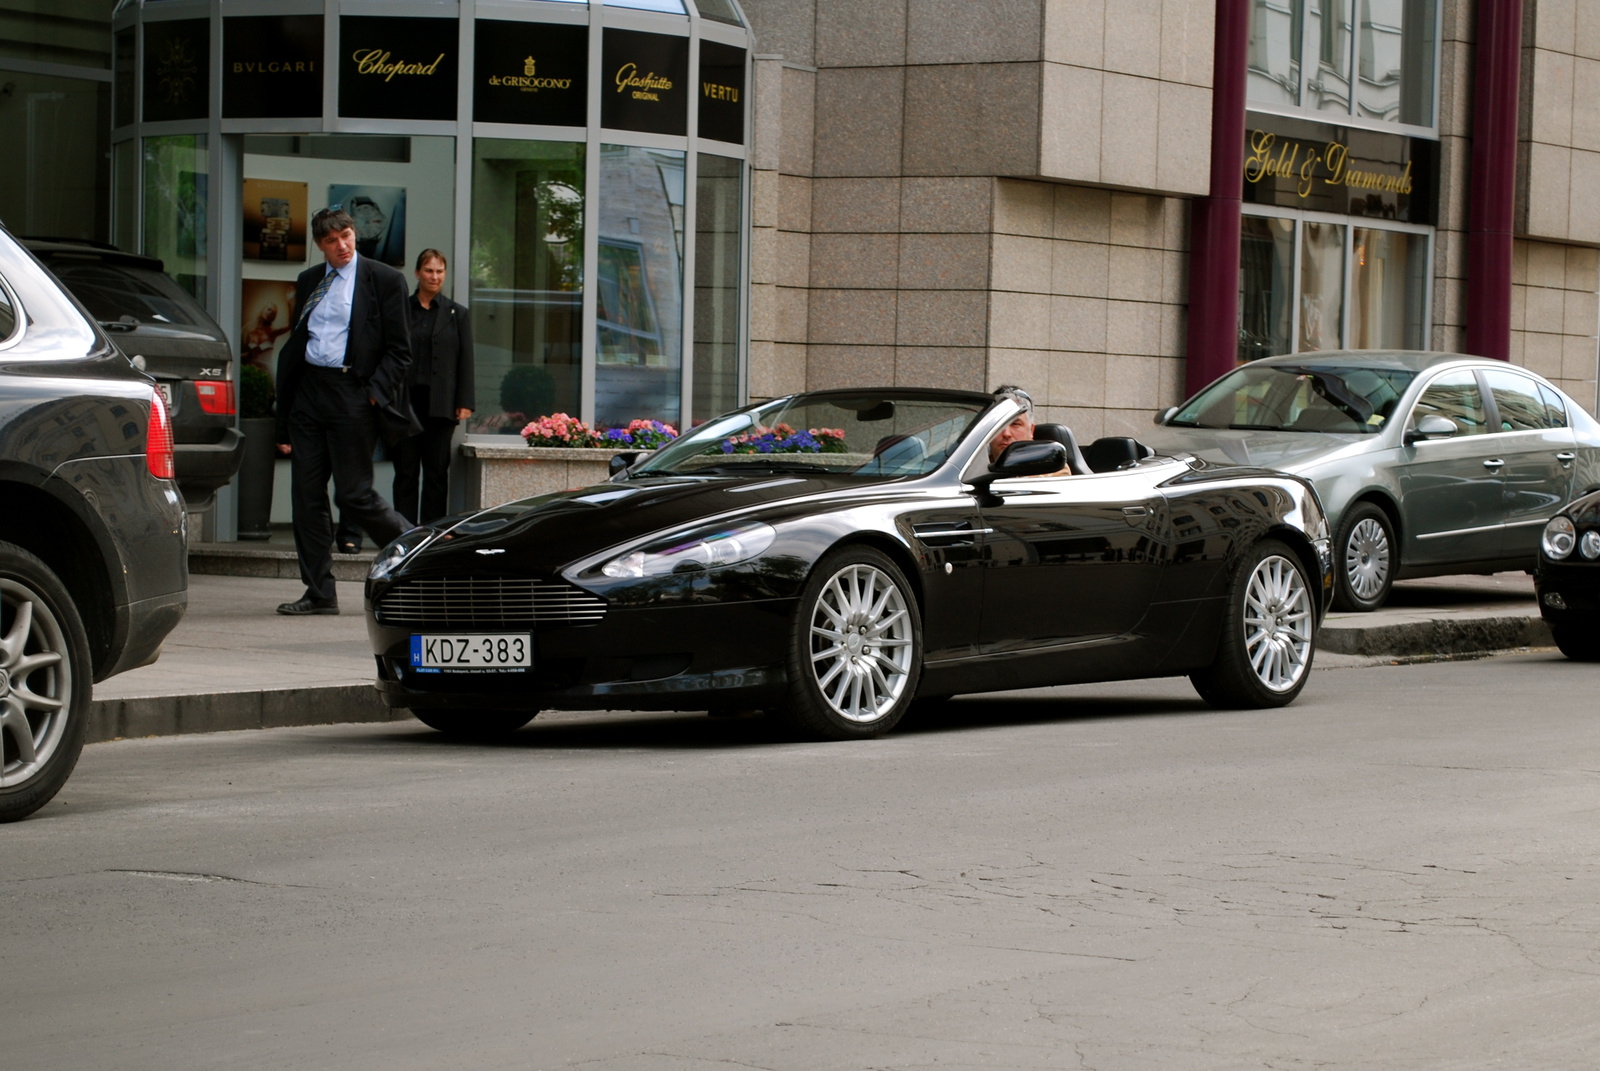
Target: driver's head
{"points": [[1021, 427]]}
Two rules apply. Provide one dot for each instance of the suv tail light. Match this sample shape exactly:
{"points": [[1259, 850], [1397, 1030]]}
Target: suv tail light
{"points": [[216, 396], [158, 444]]}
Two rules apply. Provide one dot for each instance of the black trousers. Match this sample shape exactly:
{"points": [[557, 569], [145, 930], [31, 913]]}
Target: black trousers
{"points": [[332, 432], [429, 455]]}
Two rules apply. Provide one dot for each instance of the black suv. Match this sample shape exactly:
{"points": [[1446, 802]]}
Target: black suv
{"points": [[167, 334], [93, 573]]}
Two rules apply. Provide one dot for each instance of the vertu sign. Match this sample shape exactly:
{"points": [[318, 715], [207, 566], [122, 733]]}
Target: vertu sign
{"points": [[645, 84], [397, 68], [272, 67], [1348, 171], [721, 89], [530, 73]]}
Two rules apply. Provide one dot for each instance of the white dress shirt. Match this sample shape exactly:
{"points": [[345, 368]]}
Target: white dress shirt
{"points": [[329, 322]]}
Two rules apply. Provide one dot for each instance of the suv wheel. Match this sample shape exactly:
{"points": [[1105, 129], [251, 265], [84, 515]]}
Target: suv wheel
{"points": [[45, 683]]}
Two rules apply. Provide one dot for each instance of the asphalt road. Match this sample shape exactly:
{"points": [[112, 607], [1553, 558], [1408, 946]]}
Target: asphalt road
{"points": [[1400, 871]]}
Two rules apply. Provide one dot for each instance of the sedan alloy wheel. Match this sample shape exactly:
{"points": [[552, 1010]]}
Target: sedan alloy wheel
{"points": [[1366, 559]]}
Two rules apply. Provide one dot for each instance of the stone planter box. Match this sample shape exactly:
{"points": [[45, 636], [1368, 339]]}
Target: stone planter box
{"points": [[497, 474]]}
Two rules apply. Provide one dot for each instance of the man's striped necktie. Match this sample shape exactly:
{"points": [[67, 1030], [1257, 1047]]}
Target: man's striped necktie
{"points": [[316, 296]]}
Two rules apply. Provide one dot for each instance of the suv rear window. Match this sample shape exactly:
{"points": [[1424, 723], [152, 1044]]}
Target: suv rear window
{"points": [[112, 291]]}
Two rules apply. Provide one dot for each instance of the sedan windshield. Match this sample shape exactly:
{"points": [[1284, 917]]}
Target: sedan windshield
{"points": [[873, 435], [1298, 397]]}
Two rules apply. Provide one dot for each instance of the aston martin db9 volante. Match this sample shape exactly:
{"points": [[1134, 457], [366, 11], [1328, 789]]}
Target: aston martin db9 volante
{"points": [[1427, 463], [831, 556]]}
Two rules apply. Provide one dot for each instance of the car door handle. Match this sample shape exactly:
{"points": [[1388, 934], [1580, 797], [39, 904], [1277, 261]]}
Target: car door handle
{"points": [[949, 535], [1494, 463], [1566, 457]]}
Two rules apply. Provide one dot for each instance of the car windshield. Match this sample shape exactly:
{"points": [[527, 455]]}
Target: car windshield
{"points": [[1298, 397], [112, 291], [878, 434]]}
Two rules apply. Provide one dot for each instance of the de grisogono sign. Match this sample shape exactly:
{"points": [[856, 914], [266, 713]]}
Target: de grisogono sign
{"points": [[397, 68], [1342, 170], [530, 73]]}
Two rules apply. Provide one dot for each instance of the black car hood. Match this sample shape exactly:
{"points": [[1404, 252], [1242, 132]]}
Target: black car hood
{"points": [[549, 532]]}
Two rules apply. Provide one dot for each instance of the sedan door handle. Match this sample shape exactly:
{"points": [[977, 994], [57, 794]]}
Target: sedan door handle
{"points": [[1566, 457], [1493, 463]]}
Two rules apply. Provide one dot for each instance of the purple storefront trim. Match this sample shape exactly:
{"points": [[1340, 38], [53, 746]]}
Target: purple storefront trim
{"points": [[1494, 178], [1216, 219]]}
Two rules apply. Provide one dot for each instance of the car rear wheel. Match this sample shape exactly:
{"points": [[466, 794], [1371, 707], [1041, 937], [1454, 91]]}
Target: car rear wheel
{"points": [[1580, 645], [45, 683], [1269, 636], [477, 725], [856, 652], [1366, 559]]}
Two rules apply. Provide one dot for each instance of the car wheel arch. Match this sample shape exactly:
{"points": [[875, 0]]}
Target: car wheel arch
{"points": [[48, 528], [1307, 554], [897, 551]]}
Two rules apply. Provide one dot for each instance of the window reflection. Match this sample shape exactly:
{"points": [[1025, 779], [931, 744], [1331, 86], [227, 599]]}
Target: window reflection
{"points": [[176, 189], [1517, 399], [527, 280], [1455, 395], [1275, 35], [719, 203], [1266, 287], [1328, 89], [1321, 286], [1396, 47], [1390, 274], [639, 329]]}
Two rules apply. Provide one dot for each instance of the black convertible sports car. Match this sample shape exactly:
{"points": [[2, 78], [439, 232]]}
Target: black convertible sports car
{"points": [[831, 556]]}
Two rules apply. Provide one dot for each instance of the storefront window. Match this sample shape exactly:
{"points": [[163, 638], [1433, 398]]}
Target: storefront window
{"points": [[1397, 46], [1266, 287], [60, 127], [176, 193], [1321, 286], [527, 277], [719, 202], [1328, 27], [1389, 273], [1275, 38], [125, 203], [639, 329]]}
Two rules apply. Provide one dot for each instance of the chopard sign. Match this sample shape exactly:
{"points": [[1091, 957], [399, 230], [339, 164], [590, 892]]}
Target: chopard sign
{"points": [[378, 61], [645, 86]]}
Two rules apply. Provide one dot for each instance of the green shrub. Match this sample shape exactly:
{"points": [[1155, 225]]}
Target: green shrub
{"points": [[255, 392]]}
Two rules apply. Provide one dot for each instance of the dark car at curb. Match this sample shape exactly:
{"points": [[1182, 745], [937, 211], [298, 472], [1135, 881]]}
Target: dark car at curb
{"points": [[882, 559], [168, 335], [1567, 579], [93, 573]]}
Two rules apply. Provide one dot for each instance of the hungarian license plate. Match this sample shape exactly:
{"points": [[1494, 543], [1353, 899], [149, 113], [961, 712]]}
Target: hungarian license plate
{"points": [[472, 652]]}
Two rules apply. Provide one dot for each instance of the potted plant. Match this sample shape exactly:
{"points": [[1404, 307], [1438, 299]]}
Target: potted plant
{"points": [[257, 424]]}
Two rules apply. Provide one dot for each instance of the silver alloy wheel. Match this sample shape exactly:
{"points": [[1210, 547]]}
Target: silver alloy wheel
{"points": [[35, 683], [861, 643], [1366, 558], [1277, 623]]}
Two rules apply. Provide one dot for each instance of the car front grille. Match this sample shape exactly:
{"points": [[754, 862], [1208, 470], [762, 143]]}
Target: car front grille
{"points": [[487, 602]]}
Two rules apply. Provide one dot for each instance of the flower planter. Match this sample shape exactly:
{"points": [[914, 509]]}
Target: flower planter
{"points": [[506, 473]]}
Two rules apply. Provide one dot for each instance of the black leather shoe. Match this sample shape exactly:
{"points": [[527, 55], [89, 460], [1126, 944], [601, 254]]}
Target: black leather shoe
{"points": [[350, 546], [307, 605]]}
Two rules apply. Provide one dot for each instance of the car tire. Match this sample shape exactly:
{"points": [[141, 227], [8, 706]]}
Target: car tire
{"points": [[480, 726], [1580, 645], [1365, 557], [855, 653], [46, 683], [1269, 636]]}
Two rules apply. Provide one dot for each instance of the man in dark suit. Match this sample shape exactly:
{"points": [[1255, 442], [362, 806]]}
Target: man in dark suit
{"points": [[342, 369]]}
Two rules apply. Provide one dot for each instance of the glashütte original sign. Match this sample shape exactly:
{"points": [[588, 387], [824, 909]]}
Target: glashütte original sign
{"points": [[645, 82], [272, 66], [527, 72], [721, 91], [1347, 171], [397, 68], [177, 70]]}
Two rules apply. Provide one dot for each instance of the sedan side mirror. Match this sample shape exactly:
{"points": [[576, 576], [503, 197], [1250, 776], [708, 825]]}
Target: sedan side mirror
{"points": [[1166, 414], [1035, 457], [619, 462], [1432, 426]]}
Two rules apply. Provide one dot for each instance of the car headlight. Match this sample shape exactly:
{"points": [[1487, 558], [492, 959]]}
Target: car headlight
{"points": [[1589, 545], [389, 559], [1559, 538], [724, 548]]}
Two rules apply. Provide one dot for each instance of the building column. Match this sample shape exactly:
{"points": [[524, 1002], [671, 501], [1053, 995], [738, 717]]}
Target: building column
{"points": [[1214, 230], [1494, 177]]}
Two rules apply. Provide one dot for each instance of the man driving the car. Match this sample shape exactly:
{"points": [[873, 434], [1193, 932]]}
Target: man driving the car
{"points": [[1021, 427]]}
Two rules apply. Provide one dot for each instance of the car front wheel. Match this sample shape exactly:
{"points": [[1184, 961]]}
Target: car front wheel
{"points": [[1366, 559], [856, 651], [481, 726], [1580, 645], [1269, 636], [45, 683]]}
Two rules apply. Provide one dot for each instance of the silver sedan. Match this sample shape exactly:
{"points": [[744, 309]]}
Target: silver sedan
{"points": [[1427, 463]]}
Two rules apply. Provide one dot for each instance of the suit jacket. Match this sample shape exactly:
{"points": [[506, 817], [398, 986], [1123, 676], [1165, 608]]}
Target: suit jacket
{"points": [[454, 386], [377, 351]]}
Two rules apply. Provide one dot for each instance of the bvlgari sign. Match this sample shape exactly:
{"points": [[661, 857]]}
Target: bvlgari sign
{"points": [[397, 68], [271, 67], [530, 73], [645, 83], [1343, 170]]}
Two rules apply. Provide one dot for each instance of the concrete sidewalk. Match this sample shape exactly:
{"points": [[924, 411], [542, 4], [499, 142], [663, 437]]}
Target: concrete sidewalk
{"points": [[234, 663]]}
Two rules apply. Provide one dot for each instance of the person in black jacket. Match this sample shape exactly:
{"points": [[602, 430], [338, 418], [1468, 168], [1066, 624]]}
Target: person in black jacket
{"points": [[341, 375], [441, 384]]}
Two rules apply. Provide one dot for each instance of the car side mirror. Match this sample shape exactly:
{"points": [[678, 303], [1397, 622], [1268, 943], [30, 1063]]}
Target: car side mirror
{"points": [[619, 463], [1166, 414], [1432, 426], [1034, 457]]}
